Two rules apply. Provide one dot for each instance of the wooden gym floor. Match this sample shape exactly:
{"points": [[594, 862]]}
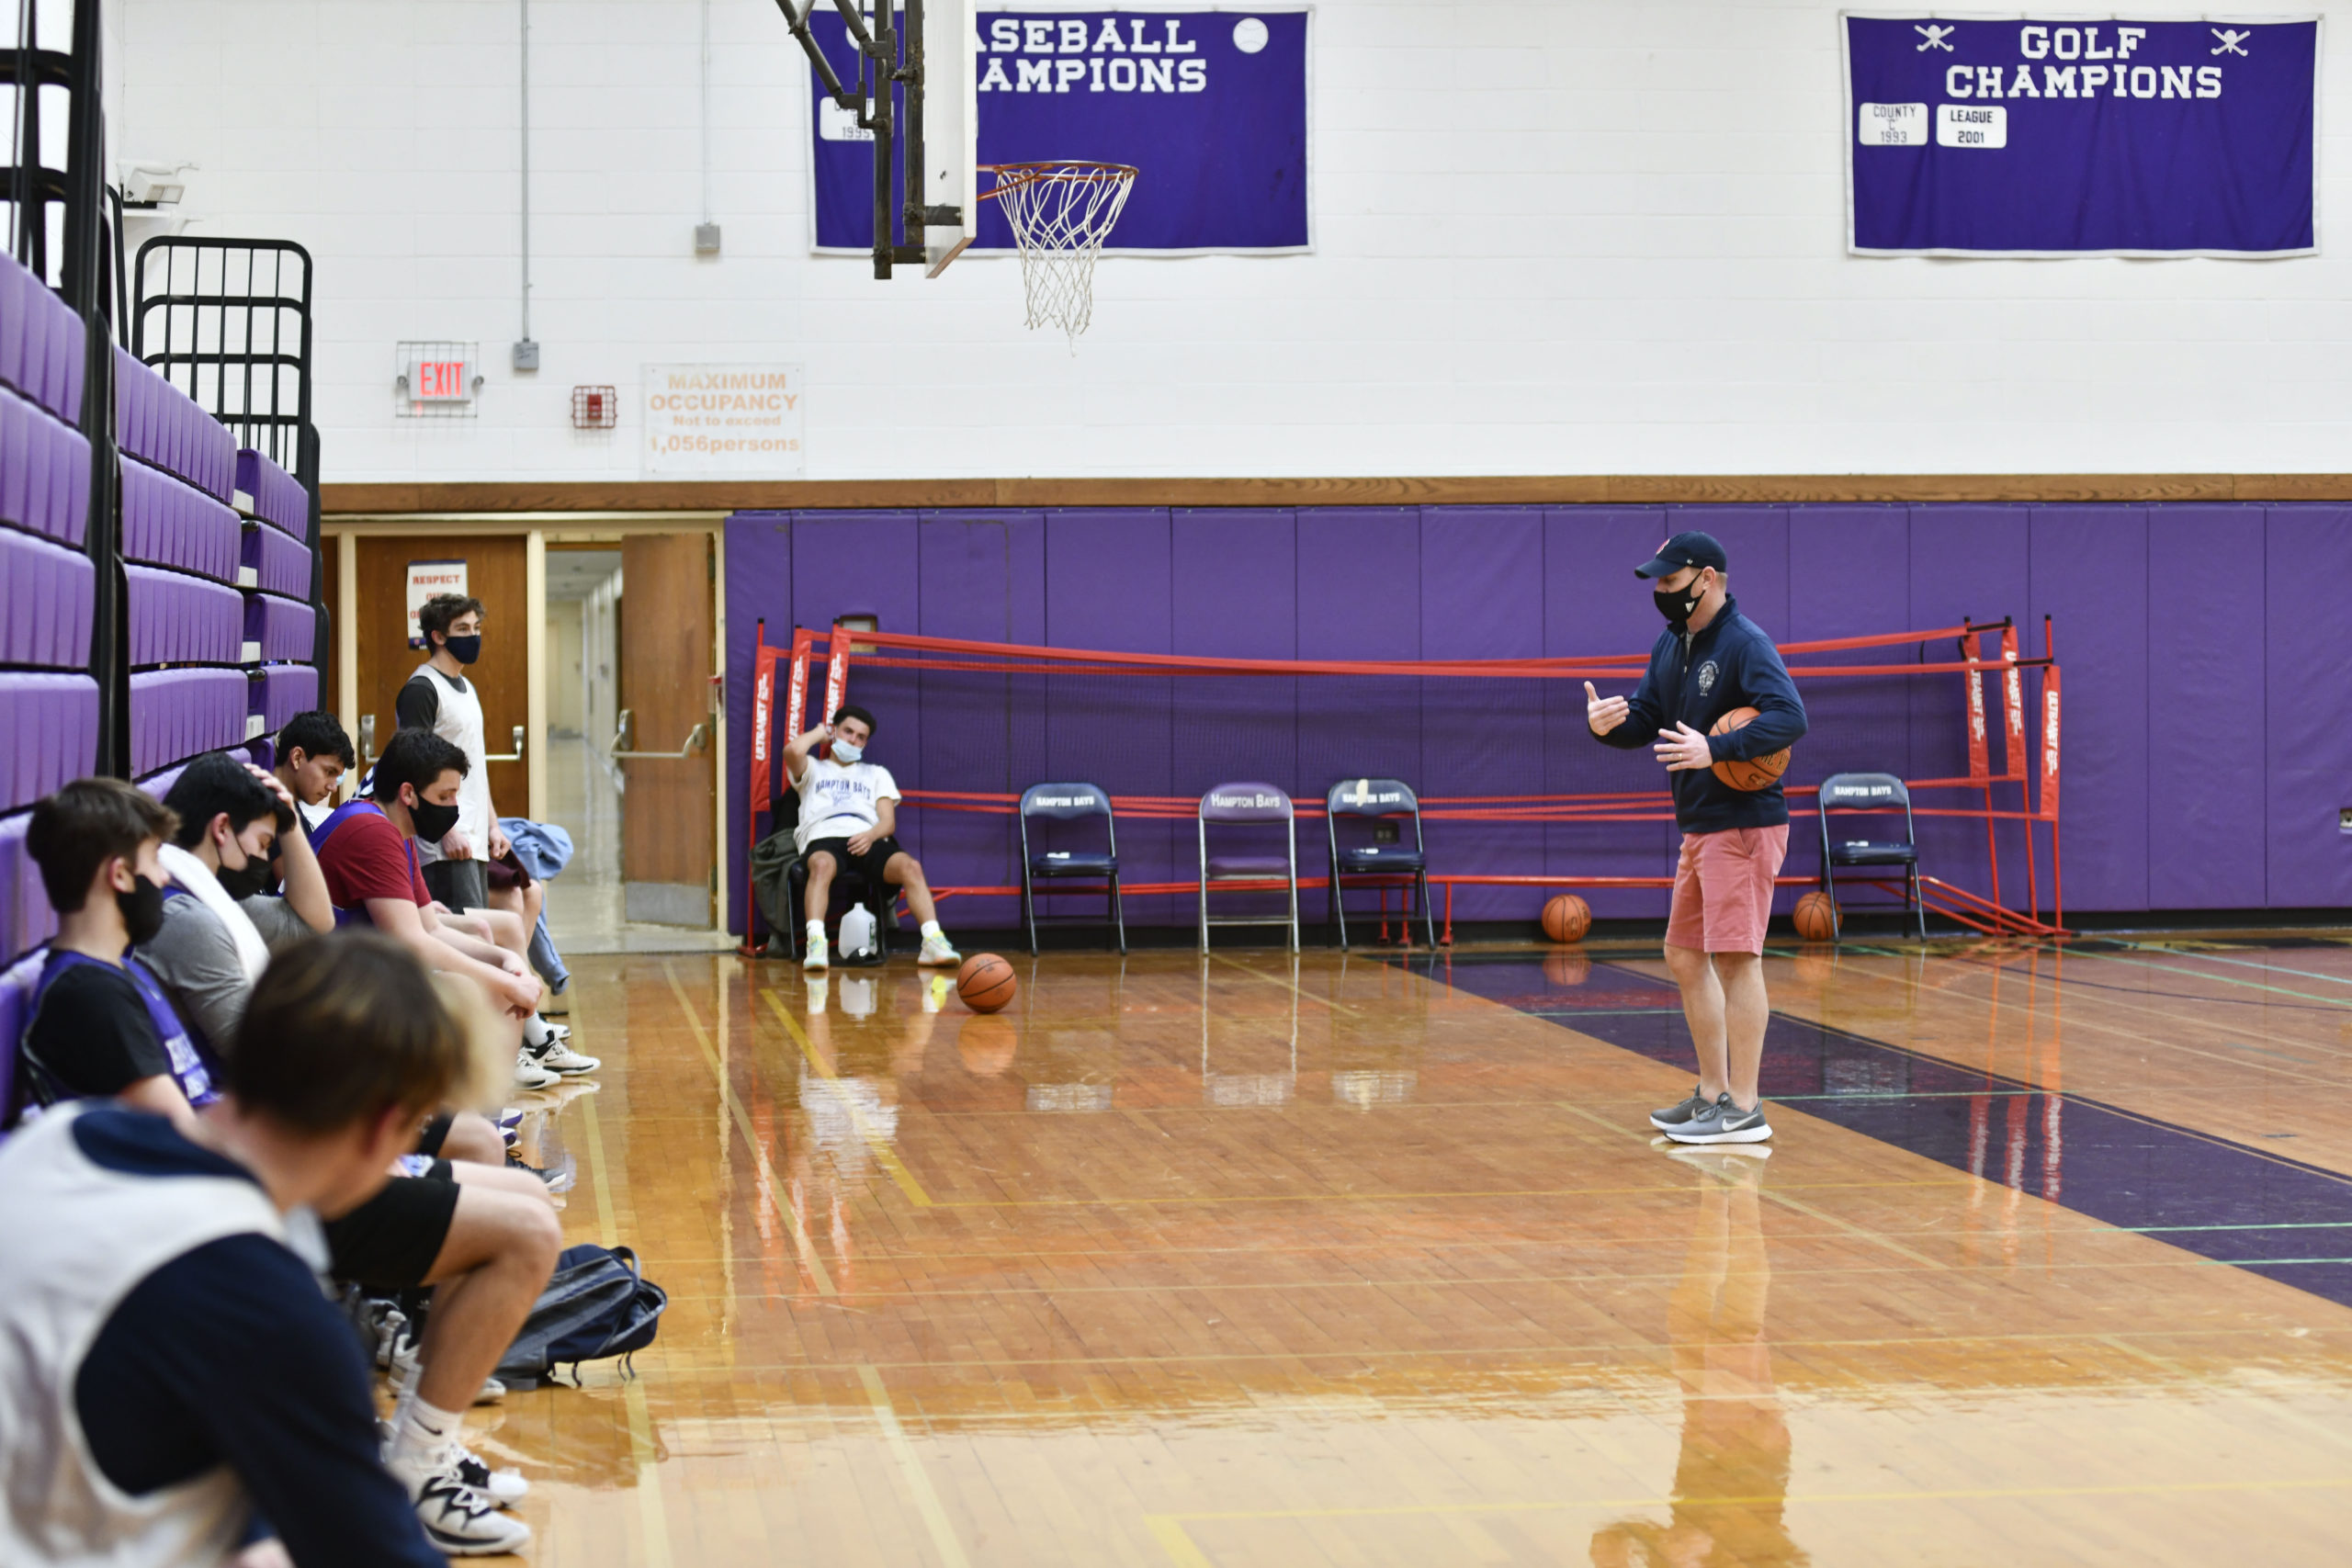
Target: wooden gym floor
{"points": [[1352, 1260]]}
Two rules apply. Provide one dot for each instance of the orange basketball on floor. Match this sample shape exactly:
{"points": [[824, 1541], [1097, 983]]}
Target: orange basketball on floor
{"points": [[1567, 919], [985, 982], [1755, 772], [1817, 920]]}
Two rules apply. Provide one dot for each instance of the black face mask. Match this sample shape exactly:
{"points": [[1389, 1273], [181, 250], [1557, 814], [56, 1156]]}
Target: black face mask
{"points": [[1677, 607], [433, 822], [244, 881], [464, 650], [142, 910]]}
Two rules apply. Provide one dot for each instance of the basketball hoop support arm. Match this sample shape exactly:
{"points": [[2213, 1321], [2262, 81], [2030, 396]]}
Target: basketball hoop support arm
{"points": [[878, 48]]}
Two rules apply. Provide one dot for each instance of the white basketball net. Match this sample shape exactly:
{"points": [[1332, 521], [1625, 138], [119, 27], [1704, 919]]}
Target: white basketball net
{"points": [[1060, 213]]}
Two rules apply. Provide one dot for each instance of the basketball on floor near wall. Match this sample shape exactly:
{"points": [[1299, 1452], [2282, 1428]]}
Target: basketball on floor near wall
{"points": [[1816, 918], [1755, 771], [985, 983], [1567, 917]]}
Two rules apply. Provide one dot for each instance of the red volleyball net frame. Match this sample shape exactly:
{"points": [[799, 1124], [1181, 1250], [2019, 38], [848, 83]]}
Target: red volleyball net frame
{"points": [[1985, 654]]}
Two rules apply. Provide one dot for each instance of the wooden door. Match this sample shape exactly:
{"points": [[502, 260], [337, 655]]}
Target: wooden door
{"points": [[494, 574], [666, 622]]}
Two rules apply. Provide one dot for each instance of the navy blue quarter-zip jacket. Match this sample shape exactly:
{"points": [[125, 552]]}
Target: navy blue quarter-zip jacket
{"points": [[1695, 679]]}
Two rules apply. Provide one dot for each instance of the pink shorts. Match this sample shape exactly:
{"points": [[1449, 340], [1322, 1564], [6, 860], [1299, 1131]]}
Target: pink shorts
{"points": [[1723, 888]]}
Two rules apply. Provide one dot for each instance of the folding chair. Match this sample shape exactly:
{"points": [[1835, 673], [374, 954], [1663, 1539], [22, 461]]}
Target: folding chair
{"points": [[1070, 803], [1376, 865], [849, 889], [1855, 794], [1247, 806]]}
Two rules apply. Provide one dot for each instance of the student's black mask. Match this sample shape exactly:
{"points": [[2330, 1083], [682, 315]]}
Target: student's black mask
{"points": [[142, 910], [1680, 603], [464, 650], [433, 822], [244, 881]]}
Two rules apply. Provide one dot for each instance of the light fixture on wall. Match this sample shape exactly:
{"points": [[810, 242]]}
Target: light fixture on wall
{"points": [[150, 185], [595, 407]]}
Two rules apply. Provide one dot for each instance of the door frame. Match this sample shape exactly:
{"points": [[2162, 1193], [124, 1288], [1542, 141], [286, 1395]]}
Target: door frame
{"points": [[538, 530]]}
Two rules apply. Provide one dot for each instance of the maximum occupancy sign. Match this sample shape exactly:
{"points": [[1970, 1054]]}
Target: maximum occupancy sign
{"points": [[2022, 135]]}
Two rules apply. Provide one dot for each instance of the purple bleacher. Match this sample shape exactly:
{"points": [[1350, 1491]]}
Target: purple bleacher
{"points": [[280, 565], [45, 599], [272, 494], [279, 628], [178, 620], [159, 784], [49, 733], [158, 424], [16, 984], [174, 714], [281, 690], [166, 522], [44, 471], [43, 346], [26, 919]]}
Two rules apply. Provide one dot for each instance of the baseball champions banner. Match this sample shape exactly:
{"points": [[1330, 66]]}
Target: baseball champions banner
{"points": [[1209, 104], [2008, 136]]}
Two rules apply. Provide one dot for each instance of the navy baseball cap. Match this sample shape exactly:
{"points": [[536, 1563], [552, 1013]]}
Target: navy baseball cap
{"points": [[1692, 548]]}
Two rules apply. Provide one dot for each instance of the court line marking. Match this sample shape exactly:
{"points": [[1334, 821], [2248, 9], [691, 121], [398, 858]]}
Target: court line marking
{"points": [[1292, 987], [902, 1449], [652, 1517], [2217, 979], [879, 1146], [2241, 963], [770, 1189], [1959, 1179], [1168, 1528]]}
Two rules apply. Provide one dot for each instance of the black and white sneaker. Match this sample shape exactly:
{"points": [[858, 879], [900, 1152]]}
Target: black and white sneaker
{"points": [[503, 1487], [557, 1056], [460, 1521], [1723, 1123], [1681, 1115]]}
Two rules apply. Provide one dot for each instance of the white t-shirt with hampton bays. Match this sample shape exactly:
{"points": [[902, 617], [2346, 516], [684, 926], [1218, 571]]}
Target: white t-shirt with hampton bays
{"points": [[839, 802]]}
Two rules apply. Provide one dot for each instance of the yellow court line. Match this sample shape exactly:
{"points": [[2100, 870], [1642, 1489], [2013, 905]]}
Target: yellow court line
{"points": [[934, 1517], [1291, 986], [653, 1518], [884, 1155], [770, 1189], [1958, 1179]]}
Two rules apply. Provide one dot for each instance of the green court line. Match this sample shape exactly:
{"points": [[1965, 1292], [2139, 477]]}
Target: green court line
{"points": [[2249, 963], [2198, 975]]}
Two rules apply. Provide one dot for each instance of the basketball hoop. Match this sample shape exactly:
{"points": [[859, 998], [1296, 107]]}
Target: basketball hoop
{"points": [[1060, 211]]}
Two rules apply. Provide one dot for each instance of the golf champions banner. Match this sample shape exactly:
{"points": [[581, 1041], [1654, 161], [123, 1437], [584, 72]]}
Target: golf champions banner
{"points": [[1210, 104], [2017, 136]]}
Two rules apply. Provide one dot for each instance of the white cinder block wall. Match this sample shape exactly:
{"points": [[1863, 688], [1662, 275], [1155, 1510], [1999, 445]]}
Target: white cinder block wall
{"points": [[1553, 236]]}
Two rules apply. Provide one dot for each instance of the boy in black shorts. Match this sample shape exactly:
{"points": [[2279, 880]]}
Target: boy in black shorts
{"points": [[849, 815]]}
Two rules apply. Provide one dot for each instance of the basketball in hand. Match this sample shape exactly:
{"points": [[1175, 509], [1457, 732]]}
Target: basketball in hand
{"points": [[1567, 919], [985, 983], [1755, 771]]}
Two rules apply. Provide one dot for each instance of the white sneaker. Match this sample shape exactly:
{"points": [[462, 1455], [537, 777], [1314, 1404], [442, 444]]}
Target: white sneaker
{"points": [[560, 1059], [815, 958], [555, 1030], [459, 1520], [528, 1074], [503, 1487], [935, 950]]}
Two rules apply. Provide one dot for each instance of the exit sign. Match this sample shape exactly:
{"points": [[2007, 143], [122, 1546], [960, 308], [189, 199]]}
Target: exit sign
{"points": [[437, 379]]}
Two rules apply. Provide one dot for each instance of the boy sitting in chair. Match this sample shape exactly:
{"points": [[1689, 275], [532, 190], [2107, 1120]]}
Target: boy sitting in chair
{"points": [[849, 811]]}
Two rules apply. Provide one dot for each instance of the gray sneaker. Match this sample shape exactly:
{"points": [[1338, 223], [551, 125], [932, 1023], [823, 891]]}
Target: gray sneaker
{"points": [[1681, 1115], [1723, 1123]]}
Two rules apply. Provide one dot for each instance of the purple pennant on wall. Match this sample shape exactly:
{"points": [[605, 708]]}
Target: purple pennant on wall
{"points": [[2070, 136]]}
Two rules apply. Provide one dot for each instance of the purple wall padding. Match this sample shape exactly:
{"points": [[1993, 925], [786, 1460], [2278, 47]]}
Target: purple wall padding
{"points": [[2309, 705], [166, 522], [45, 601], [1593, 606], [2206, 821], [2161, 611], [759, 583], [26, 919], [49, 733]]}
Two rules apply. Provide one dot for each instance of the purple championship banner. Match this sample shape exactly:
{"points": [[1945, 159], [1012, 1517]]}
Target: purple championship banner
{"points": [[1978, 136], [1210, 105]]}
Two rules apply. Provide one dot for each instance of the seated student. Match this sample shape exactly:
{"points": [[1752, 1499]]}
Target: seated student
{"points": [[178, 1371], [849, 816], [367, 850], [101, 1024], [312, 755], [218, 933], [220, 926]]}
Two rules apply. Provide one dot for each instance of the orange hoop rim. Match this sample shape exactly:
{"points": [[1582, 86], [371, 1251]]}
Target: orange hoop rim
{"points": [[1013, 177]]}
